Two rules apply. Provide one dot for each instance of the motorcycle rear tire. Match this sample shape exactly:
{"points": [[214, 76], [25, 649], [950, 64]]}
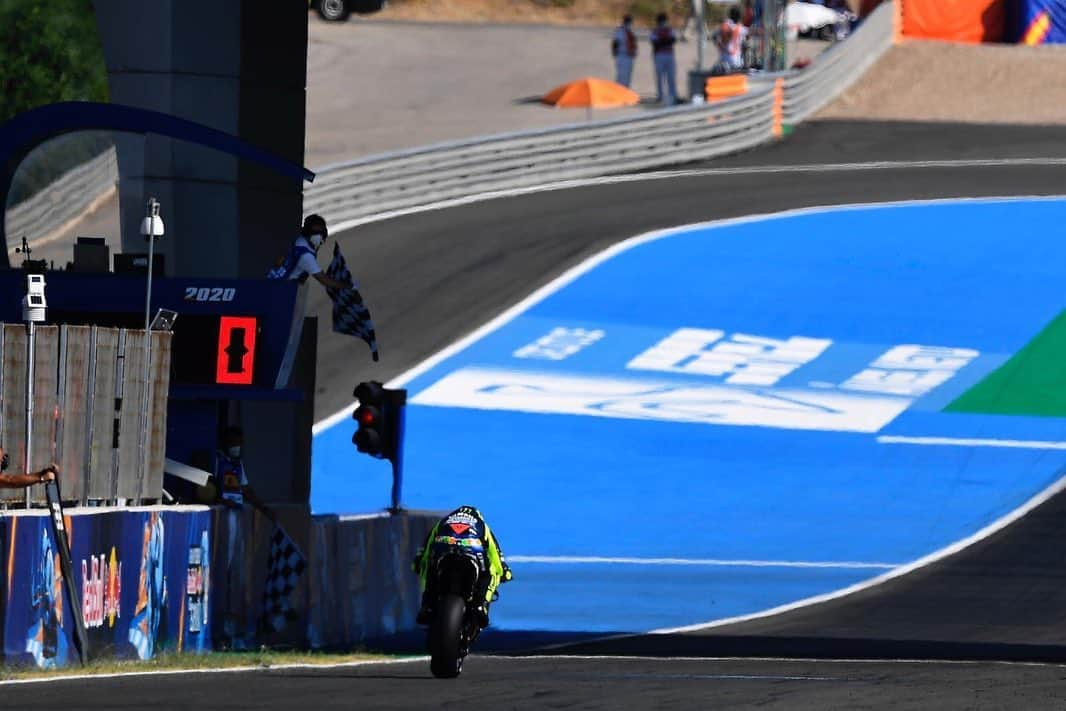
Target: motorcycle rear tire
{"points": [[445, 638]]}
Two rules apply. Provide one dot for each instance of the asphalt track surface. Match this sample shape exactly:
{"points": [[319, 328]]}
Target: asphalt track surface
{"points": [[523, 683], [432, 277]]}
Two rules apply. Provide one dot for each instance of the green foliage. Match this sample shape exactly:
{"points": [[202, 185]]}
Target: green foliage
{"points": [[50, 160], [49, 52]]}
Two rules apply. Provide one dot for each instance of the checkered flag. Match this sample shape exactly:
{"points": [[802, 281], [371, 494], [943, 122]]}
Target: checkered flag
{"points": [[350, 314], [284, 568]]}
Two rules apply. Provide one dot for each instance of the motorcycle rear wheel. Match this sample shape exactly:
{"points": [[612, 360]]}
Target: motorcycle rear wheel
{"points": [[445, 638]]}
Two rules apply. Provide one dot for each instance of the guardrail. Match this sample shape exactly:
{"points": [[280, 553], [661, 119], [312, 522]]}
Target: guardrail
{"points": [[836, 69], [399, 180], [403, 179], [62, 201]]}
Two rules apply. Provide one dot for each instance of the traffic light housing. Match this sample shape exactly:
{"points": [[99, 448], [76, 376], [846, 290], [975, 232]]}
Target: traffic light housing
{"points": [[379, 417]]}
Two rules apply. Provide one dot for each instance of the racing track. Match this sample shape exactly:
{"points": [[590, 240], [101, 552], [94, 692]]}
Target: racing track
{"points": [[431, 277]]}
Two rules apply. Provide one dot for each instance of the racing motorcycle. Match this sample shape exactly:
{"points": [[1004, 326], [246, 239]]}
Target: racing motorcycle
{"points": [[455, 623]]}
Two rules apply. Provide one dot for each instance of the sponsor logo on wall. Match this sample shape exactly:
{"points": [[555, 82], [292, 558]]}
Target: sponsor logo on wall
{"points": [[101, 589], [197, 582]]}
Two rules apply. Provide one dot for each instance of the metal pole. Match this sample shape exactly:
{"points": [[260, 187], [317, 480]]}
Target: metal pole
{"points": [[701, 35], [153, 211], [31, 356], [767, 34], [397, 400]]}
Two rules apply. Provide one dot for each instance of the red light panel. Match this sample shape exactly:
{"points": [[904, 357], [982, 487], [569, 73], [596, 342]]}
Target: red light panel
{"points": [[236, 350]]}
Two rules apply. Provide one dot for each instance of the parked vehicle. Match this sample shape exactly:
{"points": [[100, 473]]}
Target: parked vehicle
{"points": [[341, 10], [807, 19]]}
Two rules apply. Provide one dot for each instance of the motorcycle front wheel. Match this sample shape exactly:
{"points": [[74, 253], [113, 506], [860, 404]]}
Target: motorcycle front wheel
{"points": [[445, 637]]}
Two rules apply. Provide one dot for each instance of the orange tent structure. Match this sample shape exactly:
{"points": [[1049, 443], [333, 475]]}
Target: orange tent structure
{"points": [[591, 92]]}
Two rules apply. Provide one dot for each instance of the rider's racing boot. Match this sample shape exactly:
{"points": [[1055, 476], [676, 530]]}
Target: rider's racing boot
{"points": [[482, 614], [425, 612]]}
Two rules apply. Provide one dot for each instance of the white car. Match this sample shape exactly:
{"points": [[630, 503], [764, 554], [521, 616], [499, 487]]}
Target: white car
{"points": [[808, 19]]}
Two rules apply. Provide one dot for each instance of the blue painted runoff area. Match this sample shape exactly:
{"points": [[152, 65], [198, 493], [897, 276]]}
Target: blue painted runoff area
{"points": [[689, 430]]}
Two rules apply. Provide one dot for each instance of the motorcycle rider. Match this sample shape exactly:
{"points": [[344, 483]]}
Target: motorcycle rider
{"points": [[464, 529]]}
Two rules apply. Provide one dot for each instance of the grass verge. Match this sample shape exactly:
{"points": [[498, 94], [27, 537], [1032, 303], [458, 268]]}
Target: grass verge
{"points": [[181, 662]]}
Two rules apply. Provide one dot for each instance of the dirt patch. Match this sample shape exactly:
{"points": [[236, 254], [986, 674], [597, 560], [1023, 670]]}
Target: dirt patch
{"points": [[942, 81], [541, 12]]}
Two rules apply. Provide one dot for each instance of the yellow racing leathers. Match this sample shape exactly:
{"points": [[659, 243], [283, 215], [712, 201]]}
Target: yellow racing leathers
{"points": [[463, 528]]}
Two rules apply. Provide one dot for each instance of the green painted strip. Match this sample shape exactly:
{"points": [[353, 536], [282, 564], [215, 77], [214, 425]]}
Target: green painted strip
{"points": [[1032, 382]]}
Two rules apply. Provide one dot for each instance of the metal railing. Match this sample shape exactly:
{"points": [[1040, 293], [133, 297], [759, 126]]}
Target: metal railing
{"points": [[451, 170], [404, 179], [836, 69]]}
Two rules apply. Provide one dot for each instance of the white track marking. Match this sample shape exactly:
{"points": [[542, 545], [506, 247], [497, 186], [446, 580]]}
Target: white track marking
{"points": [[578, 270], [706, 172], [964, 442], [781, 660], [708, 562], [233, 670]]}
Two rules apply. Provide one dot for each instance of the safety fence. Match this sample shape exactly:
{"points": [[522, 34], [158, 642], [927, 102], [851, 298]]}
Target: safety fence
{"points": [[91, 414], [403, 179]]}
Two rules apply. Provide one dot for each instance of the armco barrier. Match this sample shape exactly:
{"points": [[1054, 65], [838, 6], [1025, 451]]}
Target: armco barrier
{"points": [[398, 180], [361, 583], [807, 91], [379, 184]]}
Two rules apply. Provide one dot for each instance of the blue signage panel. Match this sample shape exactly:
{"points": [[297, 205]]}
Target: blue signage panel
{"points": [[206, 308]]}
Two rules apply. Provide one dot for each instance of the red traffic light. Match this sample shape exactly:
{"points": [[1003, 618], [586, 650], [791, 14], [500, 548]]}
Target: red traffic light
{"points": [[367, 416]]}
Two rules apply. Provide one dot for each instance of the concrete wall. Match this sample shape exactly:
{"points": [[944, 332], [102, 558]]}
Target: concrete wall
{"points": [[235, 65], [238, 66], [361, 585]]}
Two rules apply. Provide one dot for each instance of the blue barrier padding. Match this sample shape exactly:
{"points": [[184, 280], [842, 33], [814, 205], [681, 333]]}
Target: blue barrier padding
{"points": [[145, 579], [1045, 18]]}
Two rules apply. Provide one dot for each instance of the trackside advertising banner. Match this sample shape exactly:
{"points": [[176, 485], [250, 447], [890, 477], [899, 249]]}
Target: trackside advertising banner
{"points": [[145, 579]]}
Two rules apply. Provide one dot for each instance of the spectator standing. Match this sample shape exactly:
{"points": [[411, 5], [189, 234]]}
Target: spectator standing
{"points": [[624, 49], [730, 40], [662, 44], [231, 490]]}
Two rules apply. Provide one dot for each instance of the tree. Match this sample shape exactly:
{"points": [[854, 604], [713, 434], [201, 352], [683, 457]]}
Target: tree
{"points": [[49, 52]]}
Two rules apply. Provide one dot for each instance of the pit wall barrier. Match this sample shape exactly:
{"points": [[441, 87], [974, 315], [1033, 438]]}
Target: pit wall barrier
{"points": [[155, 580], [147, 581], [361, 584], [150, 580]]}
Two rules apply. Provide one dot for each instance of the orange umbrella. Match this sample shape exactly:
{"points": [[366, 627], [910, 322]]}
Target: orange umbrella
{"points": [[591, 92]]}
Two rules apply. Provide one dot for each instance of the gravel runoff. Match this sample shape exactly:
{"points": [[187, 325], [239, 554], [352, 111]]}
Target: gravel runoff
{"points": [[941, 81]]}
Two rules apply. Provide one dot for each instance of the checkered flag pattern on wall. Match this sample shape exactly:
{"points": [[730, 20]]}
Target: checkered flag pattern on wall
{"points": [[350, 314], [284, 568]]}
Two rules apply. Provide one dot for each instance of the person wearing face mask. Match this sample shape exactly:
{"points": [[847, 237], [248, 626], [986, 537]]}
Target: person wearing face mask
{"points": [[232, 490], [301, 261]]}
